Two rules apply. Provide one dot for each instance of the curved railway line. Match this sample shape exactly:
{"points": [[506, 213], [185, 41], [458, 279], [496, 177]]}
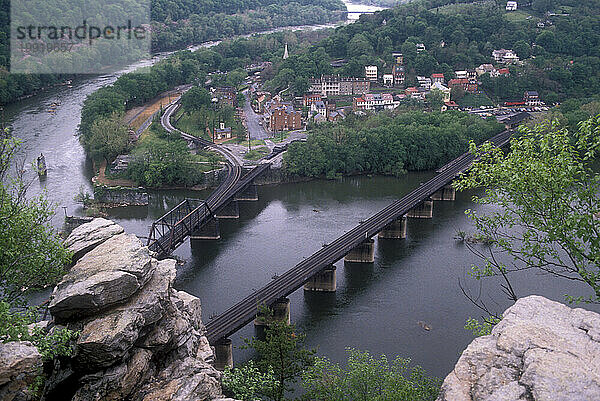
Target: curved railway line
{"points": [[170, 230]]}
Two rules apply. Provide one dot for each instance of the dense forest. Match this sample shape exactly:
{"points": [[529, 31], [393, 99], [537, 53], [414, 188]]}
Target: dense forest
{"points": [[388, 144], [561, 59], [177, 24]]}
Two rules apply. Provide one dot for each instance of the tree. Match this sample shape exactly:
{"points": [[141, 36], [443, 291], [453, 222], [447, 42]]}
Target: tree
{"points": [[548, 199], [435, 98], [195, 99], [108, 137], [368, 379], [282, 352], [522, 49], [32, 255]]}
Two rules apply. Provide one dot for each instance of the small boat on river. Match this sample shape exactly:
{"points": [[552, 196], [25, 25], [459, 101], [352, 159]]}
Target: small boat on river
{"points": [[41, 166]]}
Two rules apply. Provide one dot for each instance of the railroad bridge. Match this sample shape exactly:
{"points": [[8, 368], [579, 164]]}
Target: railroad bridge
{"points": [[317, 272], [199, 219]]}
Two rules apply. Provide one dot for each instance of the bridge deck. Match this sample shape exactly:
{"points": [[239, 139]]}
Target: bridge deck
{"points": [[243, 312]]}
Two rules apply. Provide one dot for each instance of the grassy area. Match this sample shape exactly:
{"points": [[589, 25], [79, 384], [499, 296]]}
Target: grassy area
{"points": [[517, 16], [257, 142], [475, 100], [190, 123], [257, 153]]}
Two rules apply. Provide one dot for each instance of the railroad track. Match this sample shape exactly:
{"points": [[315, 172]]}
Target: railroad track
{"points": [[233, 183], [244, 311]]}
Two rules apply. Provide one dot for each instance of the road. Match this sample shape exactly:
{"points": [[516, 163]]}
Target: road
{"points": [[255, 130]]}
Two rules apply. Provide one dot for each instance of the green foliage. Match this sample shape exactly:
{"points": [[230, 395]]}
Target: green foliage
{"points": [[368, 379], [386, 143], [163, 162], [548, 199], [14, 327], [32, 255], [195, 99], [482, 328], [247, 383], [282, 352], [108, 137]]}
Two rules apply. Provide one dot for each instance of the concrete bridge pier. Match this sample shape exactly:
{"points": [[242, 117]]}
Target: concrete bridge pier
{"points": [[396, 229], [324, 281], [422, 211], [230, 211], [223, 354], [363, 253], [448, 193], [281, 312], [209, 231], [248, 194]]}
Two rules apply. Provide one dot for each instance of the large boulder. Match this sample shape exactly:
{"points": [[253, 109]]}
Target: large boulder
{"points": [[106, 276], [189, 379], [20, 363], [88, 236], [106, 339], [541, 350]]}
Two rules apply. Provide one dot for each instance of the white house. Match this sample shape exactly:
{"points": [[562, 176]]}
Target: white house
{"points": [[371, 72], [511, 6], [388, 80]]}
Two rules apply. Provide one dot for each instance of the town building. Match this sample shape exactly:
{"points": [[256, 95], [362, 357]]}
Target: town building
{"points": [[464, 83], [284, 117], [503, 71], [371, 73], [334, 85], [373, 101], [318, 107], [505, 56], [310, 98], [388, 80], [336, 115], [436, 86], [414, 93], [438, 77], [226, 95], [424, 82], [450, 105], [398, 73], [532, 98], [398, 58], [511, 6], [420, 48], [486, 69], [222, 133]]}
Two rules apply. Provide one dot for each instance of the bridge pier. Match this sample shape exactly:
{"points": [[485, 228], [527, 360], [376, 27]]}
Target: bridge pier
{"points": [[223, 354], [324, 281], [248, 194], [281, 312], [230, 211], [448, 193], [396, 229], [208, 231], [422, 211], [363, 253]]}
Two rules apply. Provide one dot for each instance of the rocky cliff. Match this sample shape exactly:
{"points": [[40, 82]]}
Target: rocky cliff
{"points": [[541, 350], [140, 338]]}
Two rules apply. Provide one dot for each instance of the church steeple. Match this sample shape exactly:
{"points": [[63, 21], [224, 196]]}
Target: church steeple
{"points": [[285, 52]]}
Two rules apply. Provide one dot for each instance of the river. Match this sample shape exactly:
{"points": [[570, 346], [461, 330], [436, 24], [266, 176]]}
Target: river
{"points": [[376, 307]]}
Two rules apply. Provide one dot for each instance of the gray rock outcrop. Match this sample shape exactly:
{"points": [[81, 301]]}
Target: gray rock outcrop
{"points": [[88, 236], [540, 351], [140, 339], [20, 363]]}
